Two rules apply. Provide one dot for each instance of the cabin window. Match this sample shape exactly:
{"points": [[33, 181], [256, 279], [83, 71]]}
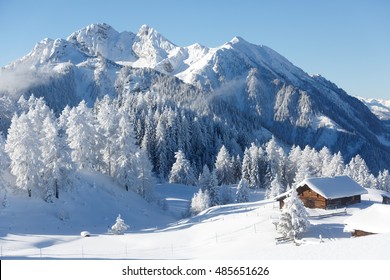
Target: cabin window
{"points": [[318, 195]]}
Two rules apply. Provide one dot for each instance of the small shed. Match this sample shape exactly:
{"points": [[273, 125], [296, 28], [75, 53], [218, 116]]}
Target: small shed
{"points": [[385, 198], [372, 220], [329, 192]]}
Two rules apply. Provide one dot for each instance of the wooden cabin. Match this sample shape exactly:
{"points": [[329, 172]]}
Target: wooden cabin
{"points": [[372, 220], [327, 193], [386, 198]]}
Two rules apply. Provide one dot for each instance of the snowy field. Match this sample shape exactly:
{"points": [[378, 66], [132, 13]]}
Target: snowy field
{"points": [[33, 229]]}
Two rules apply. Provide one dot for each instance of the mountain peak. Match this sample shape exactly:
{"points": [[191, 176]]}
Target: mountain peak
{"points": [[237, 39], [144, 30], [151, 46], [103, 39]]}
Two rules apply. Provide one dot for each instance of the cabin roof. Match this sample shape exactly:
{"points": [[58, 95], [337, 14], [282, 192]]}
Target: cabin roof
{"points": [[387, 195], [335, 187], [374, 219]]}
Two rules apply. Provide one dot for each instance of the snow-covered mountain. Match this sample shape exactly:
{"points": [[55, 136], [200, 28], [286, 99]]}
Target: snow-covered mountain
{"points": [[380, 107], [251, 88]]}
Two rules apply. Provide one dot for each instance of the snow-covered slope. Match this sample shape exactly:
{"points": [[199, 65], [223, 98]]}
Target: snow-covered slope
{"points": [[249, 87], [92, 204], [380, 107], [235, 231]]}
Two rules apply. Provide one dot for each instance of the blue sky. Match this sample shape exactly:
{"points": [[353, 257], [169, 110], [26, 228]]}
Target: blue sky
{"points": [[346, 41]]}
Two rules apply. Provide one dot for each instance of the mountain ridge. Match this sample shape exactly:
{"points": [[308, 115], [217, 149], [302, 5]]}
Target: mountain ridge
{"points": [[260, 86]]}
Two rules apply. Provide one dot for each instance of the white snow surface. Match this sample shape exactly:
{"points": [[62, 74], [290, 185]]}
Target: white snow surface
{"points": [[334, 187], [380, 107], [31, 228], [374, 219]]}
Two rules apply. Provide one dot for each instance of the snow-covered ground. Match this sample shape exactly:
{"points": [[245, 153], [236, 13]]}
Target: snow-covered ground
{"points": [[31, 228]]}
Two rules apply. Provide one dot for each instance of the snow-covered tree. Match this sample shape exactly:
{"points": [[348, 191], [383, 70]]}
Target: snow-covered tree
{"points": [[305, 168], [246, 165], [161, 137], [199, 202], [357, 169], [213, 189], [82, 136], [274, 157], [51, 159], [293, 219], [4, 164], [119, 227], [181, 171], [23, 149], [224, 167], [145, 180], [334, 166], [204, 178], [106, 125], [275, 189], [292, 163], [384, 180], [254, 167], [123, 155], [242, 193], [37, 152], [4, 160], [237, 168]]}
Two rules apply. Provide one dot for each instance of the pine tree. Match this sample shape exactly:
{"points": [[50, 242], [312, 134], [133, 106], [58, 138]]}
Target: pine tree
{"points": [[237, 168], [82, 137], [384, 180], [224, 167], [292, 163], [242, 194], [123, 156], [107, 126], [357, 169], [23, 149], [145, 180], [273, 157], [204, 178], [275, 189], [4, 164], [119, 227], [162, 158], [4, 159], [51, 159], [334, 166], [181, 171], [213, 189], [199, 202], [294, 218], [246, 165], [325, 158]]}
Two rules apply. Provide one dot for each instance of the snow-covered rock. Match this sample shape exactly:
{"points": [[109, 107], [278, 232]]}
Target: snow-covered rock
{"points": [[85, 233]]}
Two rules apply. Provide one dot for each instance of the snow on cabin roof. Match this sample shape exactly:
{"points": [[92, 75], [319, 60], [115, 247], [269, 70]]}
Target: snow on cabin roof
{"points": [[335, 187], [374, 219], [386, 195]]}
